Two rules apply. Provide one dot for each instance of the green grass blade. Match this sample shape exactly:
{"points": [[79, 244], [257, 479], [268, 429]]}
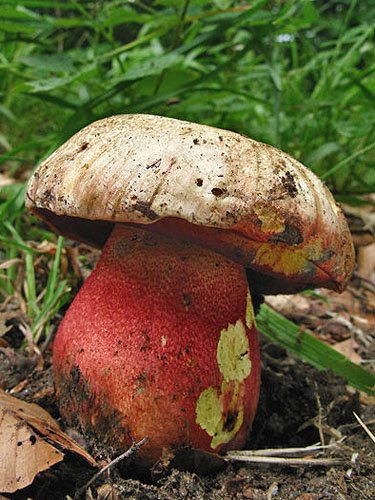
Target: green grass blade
{"points": [[350, 158], [310, 349], [13, 206], [15, 244], [54, 274], [56, 300], [30, 285]]}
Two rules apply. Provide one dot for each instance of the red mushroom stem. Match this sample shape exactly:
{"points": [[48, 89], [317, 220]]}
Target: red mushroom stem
{"points": [[160, 342]]}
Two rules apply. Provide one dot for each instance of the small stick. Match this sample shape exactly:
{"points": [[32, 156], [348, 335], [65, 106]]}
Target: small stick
{"points": [[47, 339], [134, 447], [280, 451], [363, 278], [286, 461], [320, 415], [362, 424]]}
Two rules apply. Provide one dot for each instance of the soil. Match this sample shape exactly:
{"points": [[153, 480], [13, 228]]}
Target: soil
{"points": [[299, 406]]}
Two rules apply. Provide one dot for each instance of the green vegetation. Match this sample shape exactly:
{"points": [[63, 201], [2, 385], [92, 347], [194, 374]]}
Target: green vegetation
{"points": [[311, 349], [298, 74]]}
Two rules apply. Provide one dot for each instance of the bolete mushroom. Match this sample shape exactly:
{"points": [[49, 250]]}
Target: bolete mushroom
{"points": [[161, 340]]}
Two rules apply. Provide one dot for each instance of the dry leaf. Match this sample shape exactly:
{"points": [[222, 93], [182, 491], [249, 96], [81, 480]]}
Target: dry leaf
{"points": [[23, 454], [6, 180], [44, 424], [366, 399], [364, 214], [366, 260], [362, 239], [24, 451], [6, 317], [292, 306], [346, 347], [107, 492], [6, 264]]}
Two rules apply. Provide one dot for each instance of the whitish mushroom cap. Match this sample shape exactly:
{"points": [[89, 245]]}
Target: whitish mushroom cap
{"points": [[249, 201]]}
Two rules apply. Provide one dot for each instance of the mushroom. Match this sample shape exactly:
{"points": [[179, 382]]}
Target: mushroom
{"points": [[161, 339]]}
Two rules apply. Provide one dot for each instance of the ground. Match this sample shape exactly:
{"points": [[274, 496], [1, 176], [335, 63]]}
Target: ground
{"points": [[299, 406]]}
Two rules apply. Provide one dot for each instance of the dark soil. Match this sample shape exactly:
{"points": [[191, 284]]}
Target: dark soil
{"points": [[298, 407]]}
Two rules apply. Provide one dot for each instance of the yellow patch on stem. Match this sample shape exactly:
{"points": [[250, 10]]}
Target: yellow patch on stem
{"points": [[209, 410], [250, 316], [220, 413], [233, 354]]}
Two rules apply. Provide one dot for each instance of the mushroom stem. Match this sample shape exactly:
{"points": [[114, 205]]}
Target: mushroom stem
{"points": [[160, 342]]}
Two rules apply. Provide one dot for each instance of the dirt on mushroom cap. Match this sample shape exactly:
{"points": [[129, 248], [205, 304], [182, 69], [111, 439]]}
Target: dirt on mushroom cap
{"points": [[278, 217]]}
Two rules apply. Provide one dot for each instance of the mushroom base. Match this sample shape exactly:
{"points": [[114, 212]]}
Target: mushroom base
{"points": [[160, 342]]}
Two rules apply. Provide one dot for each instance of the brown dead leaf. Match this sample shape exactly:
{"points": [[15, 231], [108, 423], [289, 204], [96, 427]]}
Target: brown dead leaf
{"points": [[107, 492], [366, 260], [366, 399], [24, 449], [365, 215], [6, 264], [23, 454], [293, 307], [347, 348], [5, 319], [48, 248], [362, 239], [6, 180]]}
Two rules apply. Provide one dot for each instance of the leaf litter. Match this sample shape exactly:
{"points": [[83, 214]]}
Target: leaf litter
{"points": [[30, 442]]}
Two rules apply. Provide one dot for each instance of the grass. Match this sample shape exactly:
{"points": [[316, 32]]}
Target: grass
{"points": [[310, 349], [298, 74]]}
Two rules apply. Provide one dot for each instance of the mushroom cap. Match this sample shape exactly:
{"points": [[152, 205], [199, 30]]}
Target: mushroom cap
{"points": [[247, 200]]}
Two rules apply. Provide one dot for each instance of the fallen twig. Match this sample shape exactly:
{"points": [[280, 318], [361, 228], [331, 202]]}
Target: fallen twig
{"points": [[286, 461], [363, 278], [134, 447], [282, 451], [364, 426], [273, 456], [320, 415]]}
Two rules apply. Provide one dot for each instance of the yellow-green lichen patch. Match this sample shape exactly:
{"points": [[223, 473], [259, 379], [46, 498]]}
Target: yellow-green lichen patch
{"points": [[233, 353], [209, 411], [220, 412], [222, 425], [250, 316]]}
